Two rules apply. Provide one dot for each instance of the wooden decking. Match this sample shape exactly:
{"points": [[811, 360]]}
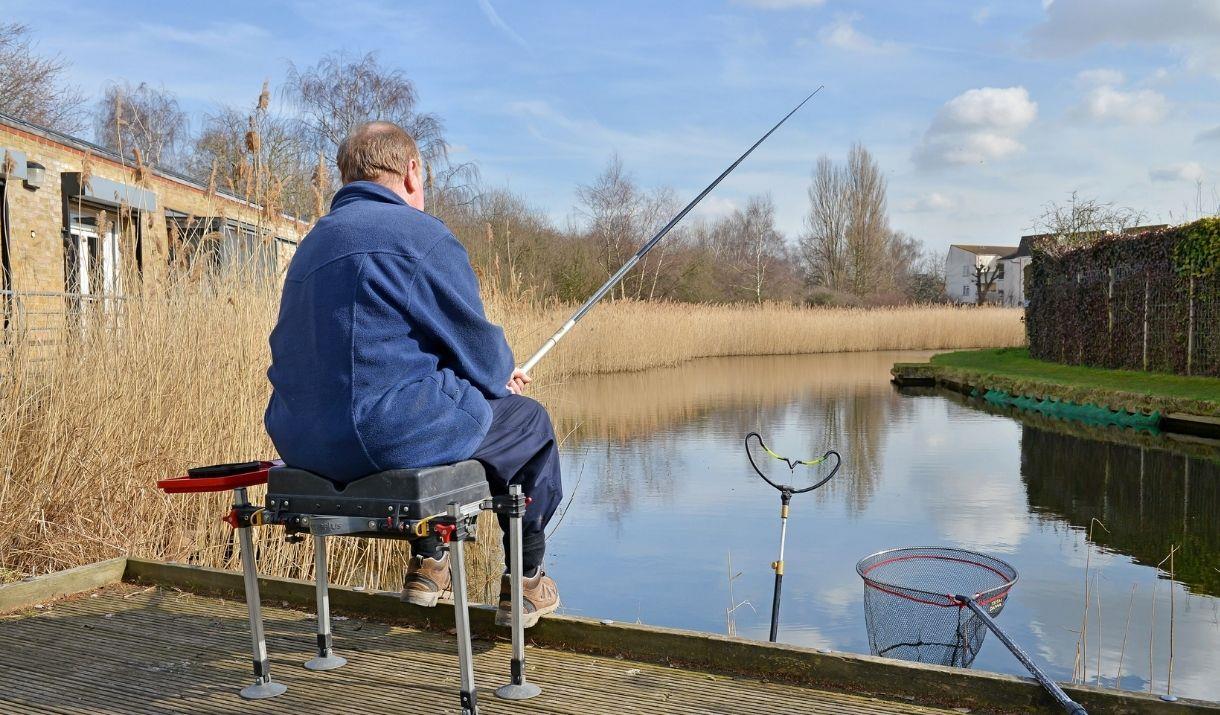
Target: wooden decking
{"points": [[133, 649]]}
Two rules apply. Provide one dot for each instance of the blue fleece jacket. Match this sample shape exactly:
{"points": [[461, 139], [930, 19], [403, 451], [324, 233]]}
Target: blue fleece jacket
{"points": [[382, 357]]}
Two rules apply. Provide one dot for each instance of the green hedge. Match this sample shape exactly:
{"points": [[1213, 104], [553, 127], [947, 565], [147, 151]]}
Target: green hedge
{"points": [[1149, 301]]}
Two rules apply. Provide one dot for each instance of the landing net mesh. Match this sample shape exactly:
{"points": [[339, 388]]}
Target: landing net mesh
{"points": [[909, 607]]}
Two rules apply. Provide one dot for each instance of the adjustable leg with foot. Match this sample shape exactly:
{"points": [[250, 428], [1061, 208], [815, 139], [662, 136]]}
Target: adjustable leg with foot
{"points": [[263, 686], [461, 613], [517, 688], [326, 658]]}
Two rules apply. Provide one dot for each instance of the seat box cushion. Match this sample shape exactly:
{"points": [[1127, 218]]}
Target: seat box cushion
{"points": [[405, 493]]}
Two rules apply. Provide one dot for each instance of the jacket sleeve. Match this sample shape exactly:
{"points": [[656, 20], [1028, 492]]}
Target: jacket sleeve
{"points": [[446, 306]]}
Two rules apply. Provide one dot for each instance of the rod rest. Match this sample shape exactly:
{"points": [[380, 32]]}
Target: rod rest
{"points": [[385, 504]]}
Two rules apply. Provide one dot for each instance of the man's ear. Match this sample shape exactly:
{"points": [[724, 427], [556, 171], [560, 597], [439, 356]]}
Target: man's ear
{"points": [[412, 181]]}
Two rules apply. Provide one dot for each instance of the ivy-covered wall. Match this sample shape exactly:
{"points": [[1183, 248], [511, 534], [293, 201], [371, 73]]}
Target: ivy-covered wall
{"points": [[1149, 301]]}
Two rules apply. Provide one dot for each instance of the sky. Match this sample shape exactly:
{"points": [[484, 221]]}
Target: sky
{"points": [[978, 113]]}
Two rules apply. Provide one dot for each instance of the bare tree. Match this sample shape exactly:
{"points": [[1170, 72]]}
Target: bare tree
{"points": [[755, 246], [222, 155], [611, 205], [985, 276], [926, 283], [868, 231], [823, 246], [32, 86], [343, 91], [903, 257], [1080, 220], [141, 119], [848, 245]]}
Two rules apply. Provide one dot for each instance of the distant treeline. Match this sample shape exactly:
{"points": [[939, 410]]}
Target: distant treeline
{"points": [[281, 155]]}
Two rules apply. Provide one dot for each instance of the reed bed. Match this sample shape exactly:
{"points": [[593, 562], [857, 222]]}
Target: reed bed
{"points": [[132, 393], [629, 335]]}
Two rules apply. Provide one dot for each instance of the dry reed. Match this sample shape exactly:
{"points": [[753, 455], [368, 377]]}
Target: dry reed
{"points": [[632, 335], [139, 390]]}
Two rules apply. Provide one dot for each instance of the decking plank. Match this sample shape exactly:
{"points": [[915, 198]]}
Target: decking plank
{"points": [[165, 651]]}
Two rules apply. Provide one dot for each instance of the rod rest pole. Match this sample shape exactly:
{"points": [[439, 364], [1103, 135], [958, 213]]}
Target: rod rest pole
{"points": [[517, 687]]}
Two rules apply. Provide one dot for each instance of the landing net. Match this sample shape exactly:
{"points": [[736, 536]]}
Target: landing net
{"points": [[909, 607]]}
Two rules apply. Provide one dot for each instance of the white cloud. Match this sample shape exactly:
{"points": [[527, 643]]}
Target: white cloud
{"points": [[780, 4], [934, 201], [212, 36], [1190, 29], [981, 15], [1106, 101], [497, 22], [594, 140], [1110, 104], [1190, 171], [1102, 77], [714, 207], [976, 126], [1072, 26], [842, 34]]}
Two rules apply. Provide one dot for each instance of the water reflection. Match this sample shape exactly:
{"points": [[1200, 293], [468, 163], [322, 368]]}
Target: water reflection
{"points": [[632, 425], [663, 495], [1149, 500]]}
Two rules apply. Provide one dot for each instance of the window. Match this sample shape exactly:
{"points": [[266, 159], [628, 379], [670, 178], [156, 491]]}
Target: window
{"points": [[968, 271], [999, 271], [224, 245], [965, 290], [93, 261]]}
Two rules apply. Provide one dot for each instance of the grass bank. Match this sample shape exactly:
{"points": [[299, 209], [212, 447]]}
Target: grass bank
{"points": [[1014, 371], [177, 378]]}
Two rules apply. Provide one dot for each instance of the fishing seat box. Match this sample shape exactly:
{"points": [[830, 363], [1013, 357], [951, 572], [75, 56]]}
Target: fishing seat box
{"points": [[408, 494]]}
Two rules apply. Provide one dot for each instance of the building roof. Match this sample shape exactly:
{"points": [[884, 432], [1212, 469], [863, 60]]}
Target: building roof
{"points": [[1001, 251], [102, 152]]}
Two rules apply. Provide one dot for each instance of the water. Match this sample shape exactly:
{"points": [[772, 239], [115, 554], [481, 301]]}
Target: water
{"points": [[663, 495]]}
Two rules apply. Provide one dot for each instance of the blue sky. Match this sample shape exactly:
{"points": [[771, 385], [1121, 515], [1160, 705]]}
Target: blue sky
{"points": [[979, 113]]}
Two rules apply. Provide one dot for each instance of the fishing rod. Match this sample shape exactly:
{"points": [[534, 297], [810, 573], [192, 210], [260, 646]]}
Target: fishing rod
{"points": [[618, 276]]}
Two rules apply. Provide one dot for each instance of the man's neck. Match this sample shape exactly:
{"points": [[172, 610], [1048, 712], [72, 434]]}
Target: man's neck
{"points": [[397, 189]]}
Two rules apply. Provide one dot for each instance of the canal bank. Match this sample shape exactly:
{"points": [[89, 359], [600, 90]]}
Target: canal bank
{"points": [[1009, 377]]}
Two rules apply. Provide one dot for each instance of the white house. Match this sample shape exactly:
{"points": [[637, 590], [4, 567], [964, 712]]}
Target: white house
{"points": [[1008, 262]]}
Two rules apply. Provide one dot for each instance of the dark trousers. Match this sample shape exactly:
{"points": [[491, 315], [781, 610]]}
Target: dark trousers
{"points": [[519, 448]]}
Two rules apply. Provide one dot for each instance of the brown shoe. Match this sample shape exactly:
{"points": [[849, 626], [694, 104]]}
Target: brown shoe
{"points": [[426, 581], [539, 597]]}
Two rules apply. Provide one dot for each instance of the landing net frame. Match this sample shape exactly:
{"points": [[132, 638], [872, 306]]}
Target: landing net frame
{"points": [[912, 607]]}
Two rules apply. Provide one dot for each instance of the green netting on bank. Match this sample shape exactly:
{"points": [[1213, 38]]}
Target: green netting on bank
{"points": [[1066, 410]]}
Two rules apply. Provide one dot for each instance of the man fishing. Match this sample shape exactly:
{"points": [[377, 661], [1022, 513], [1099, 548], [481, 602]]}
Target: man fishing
{"points": [[382, 358]]}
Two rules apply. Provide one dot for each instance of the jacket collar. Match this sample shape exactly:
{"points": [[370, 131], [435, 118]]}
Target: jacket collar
{"points": [[364, 191]]}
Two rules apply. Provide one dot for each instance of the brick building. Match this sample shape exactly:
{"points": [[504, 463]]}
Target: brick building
{"points": [[80, 223]]}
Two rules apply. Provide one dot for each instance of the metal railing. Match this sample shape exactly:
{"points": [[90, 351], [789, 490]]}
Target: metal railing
{"points": [[45, 318]]}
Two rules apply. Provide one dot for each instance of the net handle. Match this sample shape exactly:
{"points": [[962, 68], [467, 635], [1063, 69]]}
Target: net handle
{"points": [[792, 465], [1051, 686]]}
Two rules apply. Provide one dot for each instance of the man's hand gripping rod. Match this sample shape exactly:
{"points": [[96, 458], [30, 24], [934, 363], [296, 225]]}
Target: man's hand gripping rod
{"points": [[618, 276]]}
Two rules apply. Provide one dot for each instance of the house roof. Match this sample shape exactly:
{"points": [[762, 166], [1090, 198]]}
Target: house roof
{"points": [[1001, 251]]}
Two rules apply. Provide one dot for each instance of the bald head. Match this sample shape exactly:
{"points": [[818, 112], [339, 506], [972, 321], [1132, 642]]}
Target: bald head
{"points": [[385, 153], [375, 151]]}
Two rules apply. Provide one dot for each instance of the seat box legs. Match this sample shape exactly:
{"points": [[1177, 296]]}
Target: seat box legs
{"points": [[263, 686], [326, 658]]}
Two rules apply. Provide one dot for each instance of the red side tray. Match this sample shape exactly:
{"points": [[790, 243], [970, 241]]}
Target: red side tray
{"points": [[219, 478]]}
